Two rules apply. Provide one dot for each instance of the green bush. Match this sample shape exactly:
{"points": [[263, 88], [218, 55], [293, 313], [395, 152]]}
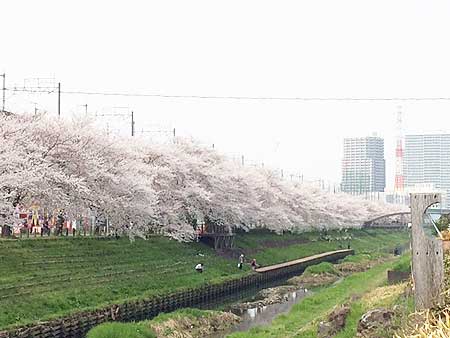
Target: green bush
{"points": [[323, 267], [404, 264], [443, 222], [357, 258]]}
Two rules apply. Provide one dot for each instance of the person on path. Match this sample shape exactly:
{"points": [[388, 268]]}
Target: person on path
{"points": [[59, 223], [199, 267], [241, 261], [253, 264], [24, 224], [45, 229]]}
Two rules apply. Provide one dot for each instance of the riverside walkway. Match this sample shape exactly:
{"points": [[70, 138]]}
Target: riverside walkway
{"points": [[306, 261]]}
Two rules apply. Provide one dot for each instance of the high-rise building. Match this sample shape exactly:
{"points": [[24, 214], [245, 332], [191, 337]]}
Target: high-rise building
{"points": [[427, 162], [363, 165]]}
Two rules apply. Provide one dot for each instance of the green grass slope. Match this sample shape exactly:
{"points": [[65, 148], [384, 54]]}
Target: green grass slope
{"points": [[268, 248], [46, 278]]}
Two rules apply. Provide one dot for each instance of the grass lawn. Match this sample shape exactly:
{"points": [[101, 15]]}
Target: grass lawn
{"points": [[45, 278], [371, 241], [122, 330]]}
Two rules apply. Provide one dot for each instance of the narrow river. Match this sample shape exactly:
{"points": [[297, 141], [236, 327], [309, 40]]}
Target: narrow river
{"points": [[259, 316]]}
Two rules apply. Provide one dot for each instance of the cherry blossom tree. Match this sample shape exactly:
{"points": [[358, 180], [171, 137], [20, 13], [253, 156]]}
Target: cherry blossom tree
{"points": [[146, 187]]}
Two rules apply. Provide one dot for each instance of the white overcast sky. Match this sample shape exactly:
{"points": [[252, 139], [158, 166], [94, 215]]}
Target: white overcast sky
{"points": [[324, 48]]}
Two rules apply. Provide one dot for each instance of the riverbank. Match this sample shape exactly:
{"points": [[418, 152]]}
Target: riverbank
{"points": [[48, 279], [185, 323], [271, 302], [304, 317]]}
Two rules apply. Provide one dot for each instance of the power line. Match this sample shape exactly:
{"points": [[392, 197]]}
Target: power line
{"points": [[219, 97], [45, 90]]}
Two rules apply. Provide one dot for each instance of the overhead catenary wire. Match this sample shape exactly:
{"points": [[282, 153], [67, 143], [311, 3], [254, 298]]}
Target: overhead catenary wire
{"points": [[220, 97]]}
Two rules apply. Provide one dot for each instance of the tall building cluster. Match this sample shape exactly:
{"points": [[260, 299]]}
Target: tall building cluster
{"points": [[425, 165], [363, 165], [426, 162]]}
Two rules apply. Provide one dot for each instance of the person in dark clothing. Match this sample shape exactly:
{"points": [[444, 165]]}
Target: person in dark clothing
{"points": [[45, 229], [59, 224]]}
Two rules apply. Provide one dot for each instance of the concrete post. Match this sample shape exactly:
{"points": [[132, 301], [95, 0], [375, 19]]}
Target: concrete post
{"points": [[427, 253]]}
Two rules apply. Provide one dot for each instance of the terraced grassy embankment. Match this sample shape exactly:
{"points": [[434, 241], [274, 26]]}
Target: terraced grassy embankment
{"points": [[45, 278]]}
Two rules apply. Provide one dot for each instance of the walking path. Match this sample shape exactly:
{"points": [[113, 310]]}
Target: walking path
{"points": [[309, 259]]}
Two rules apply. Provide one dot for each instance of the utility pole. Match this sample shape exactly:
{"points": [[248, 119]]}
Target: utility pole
{"points": [[4, 91], [174, 135], [85, 106], [132, 123], [59, 99]]}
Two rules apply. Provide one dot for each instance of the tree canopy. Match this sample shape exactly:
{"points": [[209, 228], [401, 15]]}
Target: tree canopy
{"points": [[145, 186]]}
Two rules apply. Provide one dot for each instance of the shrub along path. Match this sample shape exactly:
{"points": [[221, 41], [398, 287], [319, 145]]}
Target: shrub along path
{"points": [[46, 278]]}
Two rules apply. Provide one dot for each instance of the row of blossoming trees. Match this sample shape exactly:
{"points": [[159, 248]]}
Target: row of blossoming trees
{"points": [[145, 187]]}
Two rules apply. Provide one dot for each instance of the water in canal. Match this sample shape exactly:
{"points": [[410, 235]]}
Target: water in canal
{"points": [[260, 316]]}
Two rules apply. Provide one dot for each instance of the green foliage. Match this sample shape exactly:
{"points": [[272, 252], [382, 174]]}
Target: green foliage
{"points": [[359, 258], [404, 264], [188, 312], [324, 267], [122, 330], [443, 222]]}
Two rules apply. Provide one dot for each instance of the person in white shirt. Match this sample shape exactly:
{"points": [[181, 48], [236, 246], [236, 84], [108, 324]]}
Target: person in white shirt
{"points": [[199, 267], [241, 261]]}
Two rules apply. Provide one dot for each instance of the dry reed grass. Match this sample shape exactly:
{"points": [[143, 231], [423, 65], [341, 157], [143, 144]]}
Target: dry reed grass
{"points": [[431, 325]]}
